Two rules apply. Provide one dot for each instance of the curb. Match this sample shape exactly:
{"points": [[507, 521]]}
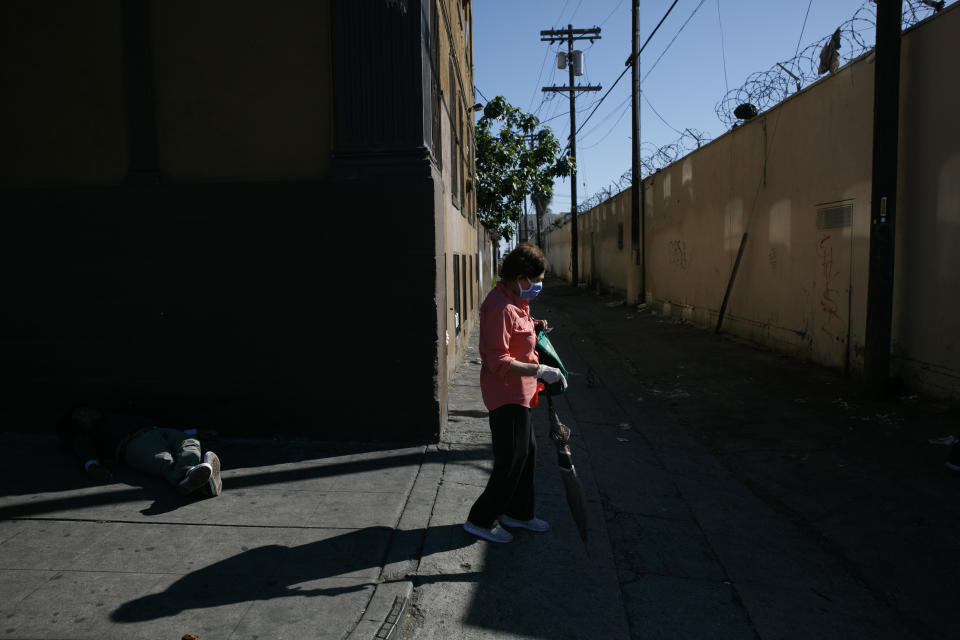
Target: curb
{"points": [[392, 593], [384, 612]]}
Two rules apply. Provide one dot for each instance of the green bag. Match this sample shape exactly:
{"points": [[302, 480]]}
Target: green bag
{"points": [[548, 356]]}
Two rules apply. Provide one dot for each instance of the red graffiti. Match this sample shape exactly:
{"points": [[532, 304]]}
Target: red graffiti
{"points": [[828, 304]]}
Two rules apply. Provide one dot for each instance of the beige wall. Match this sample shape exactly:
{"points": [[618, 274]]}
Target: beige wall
{"points": [[769, 178], [243, 93], [461, 230], [602, 259], [797, 181], [926, 330], [62, 111], [556, 246], [602, 255]]}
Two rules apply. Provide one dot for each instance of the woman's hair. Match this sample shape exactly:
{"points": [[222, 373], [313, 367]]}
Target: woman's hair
{"points": [[524, 261]]}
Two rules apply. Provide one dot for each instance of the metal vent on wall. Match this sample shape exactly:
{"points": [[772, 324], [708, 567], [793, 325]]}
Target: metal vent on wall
{"points": [[834, 217]]}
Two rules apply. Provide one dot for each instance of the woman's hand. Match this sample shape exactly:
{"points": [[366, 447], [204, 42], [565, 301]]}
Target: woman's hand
{"points": [[542, 324], [551, 375]]}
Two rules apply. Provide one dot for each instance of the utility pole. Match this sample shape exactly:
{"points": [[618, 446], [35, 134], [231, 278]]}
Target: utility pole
{"points": [[528, 145], [571, 61], [886, 117], [638, 222], [526, 231], [539, 205]]}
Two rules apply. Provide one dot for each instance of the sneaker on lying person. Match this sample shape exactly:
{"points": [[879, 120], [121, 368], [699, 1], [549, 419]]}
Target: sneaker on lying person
{"points": [[214, 485], [197, 476], [533, 524]]}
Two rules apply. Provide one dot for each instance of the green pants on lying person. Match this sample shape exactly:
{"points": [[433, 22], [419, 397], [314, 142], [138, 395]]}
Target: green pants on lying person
{"points": [[171, 454]]}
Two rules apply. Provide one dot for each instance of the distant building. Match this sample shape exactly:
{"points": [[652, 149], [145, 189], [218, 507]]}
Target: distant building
{"points": [[258, 216]]}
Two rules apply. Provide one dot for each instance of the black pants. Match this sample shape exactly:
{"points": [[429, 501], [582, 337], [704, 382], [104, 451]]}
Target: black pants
{"points": [[510, 488]]}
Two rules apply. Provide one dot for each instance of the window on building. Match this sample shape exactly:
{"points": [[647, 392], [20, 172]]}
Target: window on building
{"points": [[433, 33], [456, 293], [472, 167], [463, 169], [463, 275], [452, 111], [468, 34]]}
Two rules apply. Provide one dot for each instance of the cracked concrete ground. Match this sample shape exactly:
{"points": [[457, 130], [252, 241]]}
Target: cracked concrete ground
{"points": [[732, 493], [739, 493]]}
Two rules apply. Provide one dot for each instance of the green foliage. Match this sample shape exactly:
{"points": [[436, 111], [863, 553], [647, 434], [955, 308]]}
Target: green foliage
{"points": [[509, 168]]}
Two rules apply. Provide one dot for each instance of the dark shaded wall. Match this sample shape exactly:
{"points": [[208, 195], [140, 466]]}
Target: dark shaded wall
{"points": [[184, 235]]}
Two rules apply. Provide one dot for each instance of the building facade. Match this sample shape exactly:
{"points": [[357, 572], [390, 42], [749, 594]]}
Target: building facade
{"points": [[248, 216]]}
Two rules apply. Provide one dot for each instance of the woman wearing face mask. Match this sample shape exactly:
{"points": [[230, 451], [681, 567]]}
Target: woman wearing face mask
{"points": [[508, 380]]}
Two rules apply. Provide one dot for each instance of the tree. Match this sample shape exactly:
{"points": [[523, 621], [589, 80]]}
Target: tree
{"points": [[509, 169]]}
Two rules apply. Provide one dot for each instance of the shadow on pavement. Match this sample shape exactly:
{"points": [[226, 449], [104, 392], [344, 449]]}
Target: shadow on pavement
{"points": [[274, 571], [60, 470], [20, 477]]}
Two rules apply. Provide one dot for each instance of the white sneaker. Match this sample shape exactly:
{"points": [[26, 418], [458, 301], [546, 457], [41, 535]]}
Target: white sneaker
{"points": [[196, 477], [215, 485], [533, 524], [496, 534]]}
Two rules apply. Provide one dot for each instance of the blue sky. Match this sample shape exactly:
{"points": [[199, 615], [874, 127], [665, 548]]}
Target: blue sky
{"points": [[684, 87]]}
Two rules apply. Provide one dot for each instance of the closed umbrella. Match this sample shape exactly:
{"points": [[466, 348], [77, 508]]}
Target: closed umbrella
{"points": [[560, 434]]}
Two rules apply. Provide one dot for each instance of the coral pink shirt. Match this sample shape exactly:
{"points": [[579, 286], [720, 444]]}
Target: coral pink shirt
{"points": [[506, 334]]}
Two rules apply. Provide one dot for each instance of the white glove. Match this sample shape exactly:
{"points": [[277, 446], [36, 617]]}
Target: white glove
{"points": [[551, 375]]}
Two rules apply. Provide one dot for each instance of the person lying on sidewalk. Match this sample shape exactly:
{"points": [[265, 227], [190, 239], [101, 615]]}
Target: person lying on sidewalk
{"points": [[170, 454]]}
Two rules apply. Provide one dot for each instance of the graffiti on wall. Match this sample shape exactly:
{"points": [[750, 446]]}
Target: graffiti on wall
{"points": [[831, 323], [678, 253]]}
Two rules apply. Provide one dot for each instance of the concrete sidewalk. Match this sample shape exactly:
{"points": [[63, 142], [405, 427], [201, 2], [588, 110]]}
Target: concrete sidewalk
{"points": [[308, 540], [752, 495], [545, 585], [732, 493], [295, 547]]}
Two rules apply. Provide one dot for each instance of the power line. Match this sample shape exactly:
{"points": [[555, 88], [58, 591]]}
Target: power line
{"points": [[802, 29], [533, 97], [628, 64], [559, 115], [554, 117], [625, 107], [652, 108], [557, 21], [548, 97], [670, 44], [723, 50], [570, 19], [607, 117], [611, 14]]}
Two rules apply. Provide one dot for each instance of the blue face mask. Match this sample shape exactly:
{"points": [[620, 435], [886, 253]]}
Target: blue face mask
{"points": [[532, 292]]}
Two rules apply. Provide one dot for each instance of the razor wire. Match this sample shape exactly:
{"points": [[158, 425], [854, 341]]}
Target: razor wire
{"points": [[765, 89], [651, 162], [852, 39]]}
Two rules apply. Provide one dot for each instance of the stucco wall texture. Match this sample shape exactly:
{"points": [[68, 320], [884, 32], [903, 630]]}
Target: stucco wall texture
{"points": [[797, 181]]}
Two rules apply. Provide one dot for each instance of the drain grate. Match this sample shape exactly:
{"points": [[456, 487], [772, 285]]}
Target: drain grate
{"points": [[393, 618]]}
